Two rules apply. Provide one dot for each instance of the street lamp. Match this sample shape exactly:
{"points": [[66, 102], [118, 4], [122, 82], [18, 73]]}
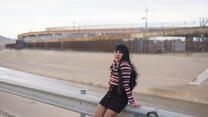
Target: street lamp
{"points": [[146, 26]]}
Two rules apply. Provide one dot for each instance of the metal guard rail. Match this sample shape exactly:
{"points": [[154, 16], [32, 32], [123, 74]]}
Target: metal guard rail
{"points": [[84, 104]]}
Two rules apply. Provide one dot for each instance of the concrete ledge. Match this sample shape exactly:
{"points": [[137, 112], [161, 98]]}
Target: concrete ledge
{"points": [[180, 95]]}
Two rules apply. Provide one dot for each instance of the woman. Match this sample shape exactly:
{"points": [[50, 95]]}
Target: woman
{"points": [[113, 102]]}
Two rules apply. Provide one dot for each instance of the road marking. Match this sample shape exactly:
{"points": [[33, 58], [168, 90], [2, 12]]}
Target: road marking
{"points": [[200, 78]]}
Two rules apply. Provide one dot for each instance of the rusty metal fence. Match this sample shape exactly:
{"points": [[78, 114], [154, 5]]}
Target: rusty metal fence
{"points": [[135, 45]]}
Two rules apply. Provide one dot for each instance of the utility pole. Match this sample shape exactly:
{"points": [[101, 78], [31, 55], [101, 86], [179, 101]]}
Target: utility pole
{"points": [[203, 22], [73, 26], [146, 27], [146, 10]]}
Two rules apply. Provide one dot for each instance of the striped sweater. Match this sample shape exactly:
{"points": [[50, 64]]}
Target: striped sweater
{"points": [[125, 73]]}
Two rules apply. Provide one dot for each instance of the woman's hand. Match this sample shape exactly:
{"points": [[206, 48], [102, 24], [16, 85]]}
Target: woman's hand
{"points": [[135, 105]]}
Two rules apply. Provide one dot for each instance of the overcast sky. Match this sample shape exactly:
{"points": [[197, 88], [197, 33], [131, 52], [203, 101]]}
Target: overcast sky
{"points": [[20, 16]]}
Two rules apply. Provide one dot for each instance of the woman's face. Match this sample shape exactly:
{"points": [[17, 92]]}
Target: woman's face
{"points": [[117, 56]]}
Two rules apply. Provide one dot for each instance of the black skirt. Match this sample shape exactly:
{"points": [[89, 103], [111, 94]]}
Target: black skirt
{"points": [[113, 101]]}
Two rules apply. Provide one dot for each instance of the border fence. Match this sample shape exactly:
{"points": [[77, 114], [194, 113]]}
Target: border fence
{"points": [[135, 45]]}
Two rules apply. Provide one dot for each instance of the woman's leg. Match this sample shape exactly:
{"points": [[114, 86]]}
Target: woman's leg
{"points": [[100, 110], [110, 113]]}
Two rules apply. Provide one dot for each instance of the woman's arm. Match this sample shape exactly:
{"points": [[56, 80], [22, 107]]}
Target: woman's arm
{"points": [[126, 74]]}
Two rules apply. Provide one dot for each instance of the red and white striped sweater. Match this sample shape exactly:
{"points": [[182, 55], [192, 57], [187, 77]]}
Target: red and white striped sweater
{"points": [[125, 73]]}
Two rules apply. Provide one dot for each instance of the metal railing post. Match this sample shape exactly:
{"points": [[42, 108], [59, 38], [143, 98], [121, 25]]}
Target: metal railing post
{"points": [[83, 92]]}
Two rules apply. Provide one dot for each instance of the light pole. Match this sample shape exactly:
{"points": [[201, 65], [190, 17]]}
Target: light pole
{"points": [[146, 10], [145, 18], [145, 46]]}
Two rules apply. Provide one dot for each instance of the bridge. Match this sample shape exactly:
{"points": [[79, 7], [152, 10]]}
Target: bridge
{"points": [[129, 32], [184, 32], [102, 39]]}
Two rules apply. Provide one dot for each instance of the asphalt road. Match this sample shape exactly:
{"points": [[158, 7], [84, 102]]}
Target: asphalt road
{"points": [[175, 72]]}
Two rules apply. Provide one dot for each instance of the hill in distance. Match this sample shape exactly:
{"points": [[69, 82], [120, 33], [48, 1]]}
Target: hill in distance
{"points": [[5, 40]]}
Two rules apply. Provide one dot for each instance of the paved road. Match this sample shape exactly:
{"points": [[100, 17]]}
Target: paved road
{"points": [[24, 107], [161, 75], [170, 79], [9, 101]]}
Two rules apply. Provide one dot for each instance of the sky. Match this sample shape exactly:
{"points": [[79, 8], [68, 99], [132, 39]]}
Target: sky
{"points": [[21, 16]]}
